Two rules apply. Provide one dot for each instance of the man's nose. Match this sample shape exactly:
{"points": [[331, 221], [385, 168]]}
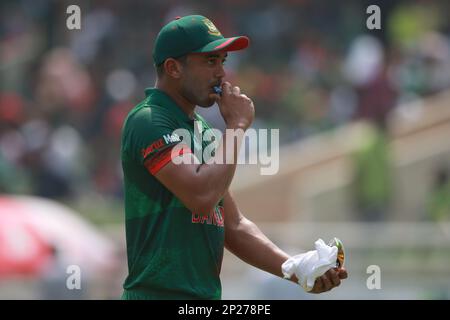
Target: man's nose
{"points": [[220, 73]]}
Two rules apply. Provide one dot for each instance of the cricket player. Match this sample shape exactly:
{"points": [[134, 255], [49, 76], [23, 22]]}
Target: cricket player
{"points": [[180, 214]]}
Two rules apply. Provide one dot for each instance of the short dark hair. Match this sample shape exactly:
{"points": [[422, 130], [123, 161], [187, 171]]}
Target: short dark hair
{"points": [[160, 67]]}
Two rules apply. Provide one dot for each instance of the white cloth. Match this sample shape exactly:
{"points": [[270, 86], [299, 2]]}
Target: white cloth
{"points": [[310, 265]]}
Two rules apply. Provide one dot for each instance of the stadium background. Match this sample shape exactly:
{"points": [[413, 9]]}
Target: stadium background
{"points": [[364, 119]]}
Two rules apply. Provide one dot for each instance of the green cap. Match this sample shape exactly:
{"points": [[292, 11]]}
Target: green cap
{"points": [[192, 34]]}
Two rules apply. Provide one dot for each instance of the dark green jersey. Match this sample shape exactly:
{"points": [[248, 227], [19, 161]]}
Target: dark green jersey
{"points": [[173, 253]]}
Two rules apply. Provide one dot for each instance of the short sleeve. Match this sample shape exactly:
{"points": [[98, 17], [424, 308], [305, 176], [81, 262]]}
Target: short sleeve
{"points": [[149, 133]]}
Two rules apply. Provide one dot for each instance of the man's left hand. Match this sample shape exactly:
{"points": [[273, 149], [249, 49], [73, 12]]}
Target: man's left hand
{"points": [[329, 280]]}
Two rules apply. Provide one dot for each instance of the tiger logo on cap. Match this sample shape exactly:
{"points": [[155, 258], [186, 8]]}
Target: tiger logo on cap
{"points": [[211, 27]]}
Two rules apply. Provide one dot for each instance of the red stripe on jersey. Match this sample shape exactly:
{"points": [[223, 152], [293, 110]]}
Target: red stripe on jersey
{"points": [[164, 157]]}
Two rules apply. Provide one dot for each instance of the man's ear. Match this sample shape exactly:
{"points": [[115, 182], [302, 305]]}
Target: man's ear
{"points": [[173, 68]]}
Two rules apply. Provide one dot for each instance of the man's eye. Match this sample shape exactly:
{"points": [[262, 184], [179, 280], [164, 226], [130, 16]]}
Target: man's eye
{"points": [[211, 62]]}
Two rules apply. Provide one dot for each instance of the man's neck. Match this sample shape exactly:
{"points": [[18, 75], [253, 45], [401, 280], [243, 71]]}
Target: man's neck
{"points": [[181, 101]]}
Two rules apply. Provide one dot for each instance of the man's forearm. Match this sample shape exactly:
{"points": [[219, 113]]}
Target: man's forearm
{"points": [[248, 243], [216, 175]]}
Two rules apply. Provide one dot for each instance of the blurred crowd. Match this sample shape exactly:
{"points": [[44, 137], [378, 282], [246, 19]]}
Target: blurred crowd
{"points": [[311, 66]]}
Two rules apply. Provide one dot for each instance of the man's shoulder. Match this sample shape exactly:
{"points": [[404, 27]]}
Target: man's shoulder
{"points": [[147, 113]]}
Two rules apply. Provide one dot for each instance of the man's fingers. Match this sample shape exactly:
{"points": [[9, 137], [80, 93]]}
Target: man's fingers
{"points": [[226, 87], [333, 275], [342, 273], [236, 90], [329, 280], [326, 282], [318, 286]]}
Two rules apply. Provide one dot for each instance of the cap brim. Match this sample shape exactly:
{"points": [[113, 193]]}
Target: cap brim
{"points": [[226, 44]]}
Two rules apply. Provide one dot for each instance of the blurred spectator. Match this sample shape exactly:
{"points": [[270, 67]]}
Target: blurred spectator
{"points": [[439, 197], [372, 188], [311, 67]]}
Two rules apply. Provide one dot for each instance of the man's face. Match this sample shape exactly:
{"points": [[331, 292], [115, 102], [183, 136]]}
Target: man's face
{"points": [[201, 72]]}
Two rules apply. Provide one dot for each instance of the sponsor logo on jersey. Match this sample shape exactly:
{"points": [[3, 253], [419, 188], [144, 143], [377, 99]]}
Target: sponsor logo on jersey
{"points": [[215, 217], [165, 140], [153, 146], [171, 138]]}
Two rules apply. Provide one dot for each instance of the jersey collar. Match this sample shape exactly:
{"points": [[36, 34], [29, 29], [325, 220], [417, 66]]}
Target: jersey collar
{"points": [[160, 98]]}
